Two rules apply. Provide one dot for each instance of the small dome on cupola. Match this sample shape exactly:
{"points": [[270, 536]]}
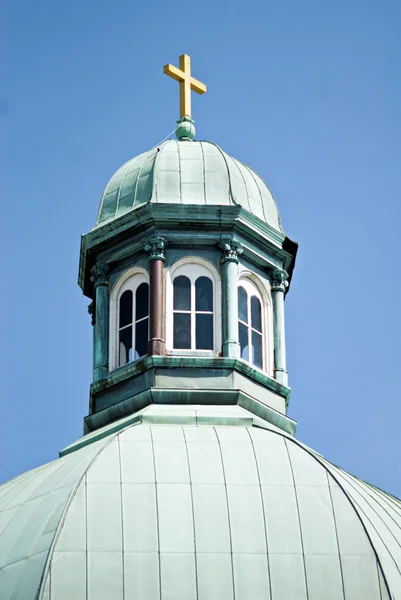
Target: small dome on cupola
{"points": [[187, 172]]}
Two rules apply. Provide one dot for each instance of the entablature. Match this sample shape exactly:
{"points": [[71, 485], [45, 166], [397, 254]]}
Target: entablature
{"points": [[205, 227]]}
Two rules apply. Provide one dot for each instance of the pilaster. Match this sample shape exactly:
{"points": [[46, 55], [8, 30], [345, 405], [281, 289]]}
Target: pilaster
{"points": [[278, 279], [100, 320], [155, 247], [230, 251]]}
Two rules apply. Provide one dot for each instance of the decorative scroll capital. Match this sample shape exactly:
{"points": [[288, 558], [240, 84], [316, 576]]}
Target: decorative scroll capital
{"points": [[155, 247], [100, 274], [278, 279], [92, 312], [230, 251]]}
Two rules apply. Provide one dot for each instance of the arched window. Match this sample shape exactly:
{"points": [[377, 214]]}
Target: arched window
{"points": [[133, 324], [250, 324], [129, 320], [191, 308], [193, 313]]}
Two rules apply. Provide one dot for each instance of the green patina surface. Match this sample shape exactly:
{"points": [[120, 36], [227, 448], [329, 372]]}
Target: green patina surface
{"points": [[144, 364], [197, 173]]}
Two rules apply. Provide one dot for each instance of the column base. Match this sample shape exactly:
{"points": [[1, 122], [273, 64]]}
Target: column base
{"points": [[156, 347], [231, 349], [100, 373], [281, 376]]}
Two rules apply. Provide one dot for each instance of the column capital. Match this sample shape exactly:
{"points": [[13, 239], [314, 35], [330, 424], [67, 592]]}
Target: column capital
{"points": [[278, 280], [230, 250], [155, 247], [92, 312], [100, 274]]}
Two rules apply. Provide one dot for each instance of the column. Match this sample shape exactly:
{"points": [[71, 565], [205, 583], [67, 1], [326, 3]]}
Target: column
{"points": [[230, 251], [100, 280], [92, 312], [279, 283], [155, 247]]}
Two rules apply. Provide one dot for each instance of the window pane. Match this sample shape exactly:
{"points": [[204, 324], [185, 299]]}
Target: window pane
{"points": [[142, 301], [204, 332], [182, 331], [141, 338], [257, 349], [242, 305], [125, 351], [182, 293], [243, 340], [204, 294], [126, 308], [256, 314]]}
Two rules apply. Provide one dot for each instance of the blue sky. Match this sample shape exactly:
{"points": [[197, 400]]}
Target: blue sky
{"points": [[308, 94]]}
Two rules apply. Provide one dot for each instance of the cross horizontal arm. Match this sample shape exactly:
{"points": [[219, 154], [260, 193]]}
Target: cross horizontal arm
{"points": [[173, 72], [197, 86]]}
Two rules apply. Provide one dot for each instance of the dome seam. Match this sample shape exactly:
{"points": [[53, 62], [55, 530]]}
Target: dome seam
{"points": [[157, 507], [228, 510], [263, 510], [204, 173], [122, 513], [246, 187], [230, 192], [252, 174], [159, 149], [119, 193], [271, 194], [336, 530], [299, 517], [191, 489]]}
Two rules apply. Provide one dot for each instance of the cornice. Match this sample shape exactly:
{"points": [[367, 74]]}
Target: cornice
{"points": [[126, 372]]}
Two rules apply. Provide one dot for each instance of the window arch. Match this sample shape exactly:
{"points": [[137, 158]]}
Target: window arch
{"points": [[129, 318], [252, 324], [192, 317]]}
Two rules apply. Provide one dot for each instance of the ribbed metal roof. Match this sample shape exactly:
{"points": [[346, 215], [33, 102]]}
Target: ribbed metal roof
{"points": [[170, 509], [187, 173]]}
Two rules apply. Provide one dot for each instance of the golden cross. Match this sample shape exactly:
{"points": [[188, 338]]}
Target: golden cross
{"points": [[187, 83]]}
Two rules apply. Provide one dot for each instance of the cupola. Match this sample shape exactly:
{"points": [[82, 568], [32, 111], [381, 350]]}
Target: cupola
{"points": [[187, 268]]}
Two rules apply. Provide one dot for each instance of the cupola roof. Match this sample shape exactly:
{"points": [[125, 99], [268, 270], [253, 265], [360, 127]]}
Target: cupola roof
{"points": [[187, 172]]}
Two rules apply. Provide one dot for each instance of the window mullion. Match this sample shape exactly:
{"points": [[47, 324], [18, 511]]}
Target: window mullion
{"points": [[193, 316], [250, 330], [133, 322]]}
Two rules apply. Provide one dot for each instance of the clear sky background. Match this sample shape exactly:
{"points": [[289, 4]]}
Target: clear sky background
{"points": [[308, 94]]}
